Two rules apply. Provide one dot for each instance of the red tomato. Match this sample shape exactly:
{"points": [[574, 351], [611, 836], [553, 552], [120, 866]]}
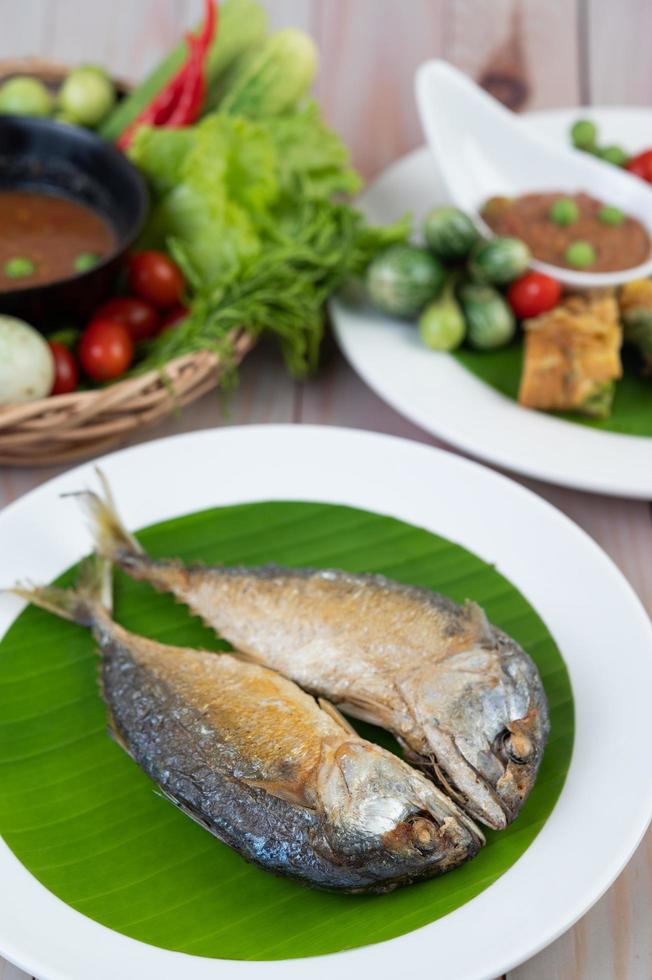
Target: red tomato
{"points": [[105, 350], [641, 165], [173, 316], [139, 317], [532, 294], [156, 278], [66, 375]]}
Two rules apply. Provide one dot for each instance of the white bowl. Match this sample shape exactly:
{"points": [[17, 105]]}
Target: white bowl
{"points": [[483, 150]]}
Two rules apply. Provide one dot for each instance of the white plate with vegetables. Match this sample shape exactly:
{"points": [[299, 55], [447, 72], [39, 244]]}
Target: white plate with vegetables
{"points": [[586, 605], [468, 397]]}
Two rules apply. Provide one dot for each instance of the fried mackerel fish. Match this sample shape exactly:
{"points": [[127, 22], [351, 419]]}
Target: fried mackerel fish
{"points": [[464, 700], [256, 761]]}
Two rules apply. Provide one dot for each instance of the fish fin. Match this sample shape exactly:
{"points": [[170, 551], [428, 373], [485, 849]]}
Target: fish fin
{"points": [[112, 539], [364, 710], [115, 732], [478, 617], [290, 792], [247, 658], [331, 710], [79, 605], [185, 808]]}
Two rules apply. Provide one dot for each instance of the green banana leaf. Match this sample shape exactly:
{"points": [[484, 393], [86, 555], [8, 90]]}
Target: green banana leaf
{"points": [[89, 825], [632, 409]]}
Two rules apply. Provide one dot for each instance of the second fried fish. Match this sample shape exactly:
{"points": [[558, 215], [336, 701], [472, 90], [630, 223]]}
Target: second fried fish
{"points": [[462, 697]]}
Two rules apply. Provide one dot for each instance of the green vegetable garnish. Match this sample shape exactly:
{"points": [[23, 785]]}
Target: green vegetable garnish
{"points": [[247, 210], [499, 261], [85, 261], [25, 96], [18, 267], [584, 134], [316, 247], [217, 186], [598, 402], [564, 211], [449, 233], [580, 254], [403, 278], [242, 25], [614, 154], [68, 336], [274, 78], [610, 215], [87, 95], [490, 321], [442, 325]]}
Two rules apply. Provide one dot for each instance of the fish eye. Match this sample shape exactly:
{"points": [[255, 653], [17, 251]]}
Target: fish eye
{"points": [[515, 746], [423, 830]]}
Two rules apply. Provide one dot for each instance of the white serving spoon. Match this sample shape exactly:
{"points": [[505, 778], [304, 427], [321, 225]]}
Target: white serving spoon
{"points": [[482, 150]]}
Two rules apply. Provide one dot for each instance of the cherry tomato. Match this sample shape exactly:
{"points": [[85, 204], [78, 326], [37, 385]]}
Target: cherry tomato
{"points": [[156, 278], [105, 350], [641, 165], [173, 316], [139, 317], [532, 294], [66, 374]]}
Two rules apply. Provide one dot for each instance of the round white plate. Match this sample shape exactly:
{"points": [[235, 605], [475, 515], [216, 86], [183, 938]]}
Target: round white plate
{"points": [[597, 621], [437, 393]]}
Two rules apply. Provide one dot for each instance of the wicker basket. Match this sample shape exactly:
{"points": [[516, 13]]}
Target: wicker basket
{"points": [[66, 427]]}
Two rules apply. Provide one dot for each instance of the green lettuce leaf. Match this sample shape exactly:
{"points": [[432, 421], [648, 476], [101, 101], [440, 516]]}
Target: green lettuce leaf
{"points": [[159, 154], [252, 211], [312, 160], [212, 184]]}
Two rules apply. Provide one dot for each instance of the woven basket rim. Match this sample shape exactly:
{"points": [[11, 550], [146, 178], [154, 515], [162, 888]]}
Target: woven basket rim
{"points": [[50, 69]]}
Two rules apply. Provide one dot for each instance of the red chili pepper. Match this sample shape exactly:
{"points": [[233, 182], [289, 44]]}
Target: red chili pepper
{"points": [[191, 95], [179, 102]]}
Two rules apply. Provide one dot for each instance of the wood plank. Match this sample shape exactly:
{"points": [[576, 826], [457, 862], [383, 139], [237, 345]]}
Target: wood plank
{"points": [[618, 49], [290, 13], [128, 38], [26, 30], [507, 45], [337, 396], [10, 972], [369, 52]]}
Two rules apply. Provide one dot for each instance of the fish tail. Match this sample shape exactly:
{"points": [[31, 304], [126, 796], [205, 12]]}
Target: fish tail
{"points": [[82, 604], [112, 540]]}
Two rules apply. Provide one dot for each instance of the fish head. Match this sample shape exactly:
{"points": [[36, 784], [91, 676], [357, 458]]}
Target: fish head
{"points": [[391, 815], [482, 723]]}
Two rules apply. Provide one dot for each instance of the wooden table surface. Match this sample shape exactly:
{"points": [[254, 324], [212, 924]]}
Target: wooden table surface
{"points": [[535, 54]]}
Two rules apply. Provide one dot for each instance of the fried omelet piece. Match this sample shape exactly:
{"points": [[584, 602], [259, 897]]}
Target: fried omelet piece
{"points": [[572, 355]]}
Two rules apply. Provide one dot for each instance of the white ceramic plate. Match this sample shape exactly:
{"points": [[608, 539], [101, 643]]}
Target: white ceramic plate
{"points": [[597, 621], [438, 394]]}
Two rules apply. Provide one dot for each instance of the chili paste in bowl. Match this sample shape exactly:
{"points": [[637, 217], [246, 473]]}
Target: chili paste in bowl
{"points": [[573, 231]]}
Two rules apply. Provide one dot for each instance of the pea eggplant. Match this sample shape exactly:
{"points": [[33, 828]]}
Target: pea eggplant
{"points": [[403, 278], [442, 325], [450, 234], [490, 322], [499, 261]]}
